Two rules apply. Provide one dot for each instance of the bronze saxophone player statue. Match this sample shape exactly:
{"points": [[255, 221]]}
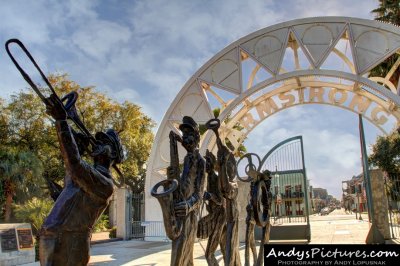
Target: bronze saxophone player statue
{"points": [[180, 199], [171, 193], [227, 173]]}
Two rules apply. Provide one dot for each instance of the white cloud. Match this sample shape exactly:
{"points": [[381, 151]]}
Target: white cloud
{"points": [[100, 38], [332, 152], [146, 51], [313, 8]]}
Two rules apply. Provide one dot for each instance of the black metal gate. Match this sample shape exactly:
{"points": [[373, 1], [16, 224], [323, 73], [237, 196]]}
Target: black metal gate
{"points": [[392, 187], [138, 228], [290, 208]]}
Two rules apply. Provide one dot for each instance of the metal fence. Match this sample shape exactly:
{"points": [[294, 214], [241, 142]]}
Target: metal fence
{"points": [[288, 201], [290, 207], [392, 185], [142, 229], [137, 206], [289, 186]]}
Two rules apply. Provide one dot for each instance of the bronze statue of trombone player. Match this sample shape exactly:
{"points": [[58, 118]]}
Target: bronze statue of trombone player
{"points": [[65, 234]]}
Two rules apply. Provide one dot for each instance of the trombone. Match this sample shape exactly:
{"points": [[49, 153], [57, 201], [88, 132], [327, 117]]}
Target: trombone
{"points": [[70, 98]]}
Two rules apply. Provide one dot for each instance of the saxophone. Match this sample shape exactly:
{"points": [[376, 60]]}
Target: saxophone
{"points": [[171, 192]]}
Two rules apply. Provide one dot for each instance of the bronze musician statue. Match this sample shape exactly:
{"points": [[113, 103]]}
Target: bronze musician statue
{"points": [[66, 232], [212, 225], [171, 193], [227, 173], [182, 193], [258, 208]]}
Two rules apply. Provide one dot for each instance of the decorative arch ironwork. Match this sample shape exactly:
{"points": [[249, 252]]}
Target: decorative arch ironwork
{"points": [[323, 60]]}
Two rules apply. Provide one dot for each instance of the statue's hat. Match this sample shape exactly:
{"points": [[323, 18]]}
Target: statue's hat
{"points": [[111, 138], [188, 122]]}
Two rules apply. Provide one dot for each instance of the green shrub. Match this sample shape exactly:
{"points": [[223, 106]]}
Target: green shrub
{"points": [[113, 232], [33, 211], [101, 224]]}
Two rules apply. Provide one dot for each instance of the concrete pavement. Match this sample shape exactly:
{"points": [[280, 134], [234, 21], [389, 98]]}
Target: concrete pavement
{"points": [[336, 228]]}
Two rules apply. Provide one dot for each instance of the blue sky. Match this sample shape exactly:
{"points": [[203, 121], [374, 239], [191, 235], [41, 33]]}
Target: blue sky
{"points": [[144, 52]]}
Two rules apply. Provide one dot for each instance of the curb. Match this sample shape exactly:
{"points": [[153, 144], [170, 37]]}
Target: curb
{"points": [[105, 241]]}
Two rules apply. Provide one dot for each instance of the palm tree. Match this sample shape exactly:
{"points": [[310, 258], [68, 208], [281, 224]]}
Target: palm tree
{"points": [[388, 11], [18, 171]]}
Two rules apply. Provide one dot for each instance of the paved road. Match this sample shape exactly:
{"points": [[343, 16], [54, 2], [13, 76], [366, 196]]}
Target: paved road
{"points": [[338, 228]]}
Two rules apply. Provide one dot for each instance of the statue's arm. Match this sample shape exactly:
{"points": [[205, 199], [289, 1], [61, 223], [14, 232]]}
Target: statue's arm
{"points": [[194, 201], [231, 190], [215, 194], [81, 173], [217, 199], [69, 149]]}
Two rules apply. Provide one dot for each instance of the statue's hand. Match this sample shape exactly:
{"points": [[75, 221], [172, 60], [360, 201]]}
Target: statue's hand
{"points": [[182, 208], [207, 195], [82, 141], [171, 173], [55, 108], [220, 157]]}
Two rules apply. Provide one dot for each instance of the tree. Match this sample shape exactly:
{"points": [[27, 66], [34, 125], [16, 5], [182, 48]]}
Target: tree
{"points": [[388, 11], [3, 140], [386, 156], [386, 153], [27, 129], [19, 172], [99, 112]]}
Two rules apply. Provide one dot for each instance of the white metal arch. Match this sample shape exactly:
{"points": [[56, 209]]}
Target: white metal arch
{"points": [[310, 42]]}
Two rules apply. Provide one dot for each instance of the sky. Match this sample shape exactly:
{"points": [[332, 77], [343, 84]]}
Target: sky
{"points": [[144, 51]]}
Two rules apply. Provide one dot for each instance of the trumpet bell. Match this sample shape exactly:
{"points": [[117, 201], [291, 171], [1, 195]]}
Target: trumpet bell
{"points": [[214, 123]]}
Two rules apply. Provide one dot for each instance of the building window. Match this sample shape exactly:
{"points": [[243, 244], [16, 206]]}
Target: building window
{"points": [[288, 191], [288, 208], [298, 193]]}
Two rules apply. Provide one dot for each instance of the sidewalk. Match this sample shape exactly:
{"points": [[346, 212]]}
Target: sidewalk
{"points": [[336, 228], [136, 252]]}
